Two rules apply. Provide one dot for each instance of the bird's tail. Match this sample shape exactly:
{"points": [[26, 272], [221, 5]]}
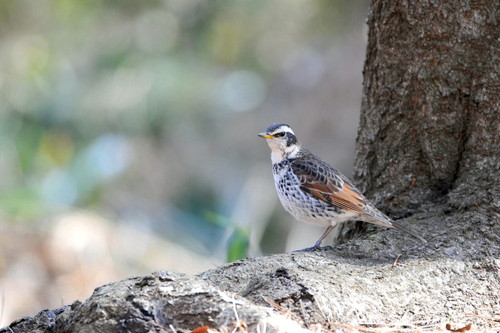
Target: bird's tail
{"points": [[408, 230], [379, 218]]}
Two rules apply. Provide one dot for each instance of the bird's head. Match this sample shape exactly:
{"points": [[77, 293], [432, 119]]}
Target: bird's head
{"points": [[282, 141]]}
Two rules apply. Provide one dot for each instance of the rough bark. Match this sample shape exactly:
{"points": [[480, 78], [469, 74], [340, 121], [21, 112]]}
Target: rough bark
{"points": [[430, 119], [160, 302]]}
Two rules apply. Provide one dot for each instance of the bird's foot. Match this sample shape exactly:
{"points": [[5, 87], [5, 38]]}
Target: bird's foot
{"points": [[315, 248]]}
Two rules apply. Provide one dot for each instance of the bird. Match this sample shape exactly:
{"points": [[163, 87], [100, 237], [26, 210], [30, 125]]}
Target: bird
{"points": [[315, 192]]}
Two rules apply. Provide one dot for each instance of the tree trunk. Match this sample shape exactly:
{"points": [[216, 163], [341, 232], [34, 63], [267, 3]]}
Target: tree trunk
{"points": [[430, 119]]}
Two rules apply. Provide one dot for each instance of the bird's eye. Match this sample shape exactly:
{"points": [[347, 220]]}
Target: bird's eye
{"points": [[280, 134]]}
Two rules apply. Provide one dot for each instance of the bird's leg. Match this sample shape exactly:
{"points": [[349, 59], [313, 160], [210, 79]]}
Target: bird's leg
{"points": [[317, 245], [323, 236]]}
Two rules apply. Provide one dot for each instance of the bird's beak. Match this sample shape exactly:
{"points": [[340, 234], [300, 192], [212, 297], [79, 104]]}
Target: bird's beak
{"points": [[266, 136]]}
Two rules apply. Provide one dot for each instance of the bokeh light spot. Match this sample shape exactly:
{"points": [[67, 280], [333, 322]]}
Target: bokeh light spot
{"points": [[108, 156], [242, 91]]}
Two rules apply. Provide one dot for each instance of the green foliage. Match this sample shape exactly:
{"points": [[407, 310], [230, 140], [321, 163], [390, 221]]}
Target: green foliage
{"points": [[238, 242], [238, 245], [22, 204]]}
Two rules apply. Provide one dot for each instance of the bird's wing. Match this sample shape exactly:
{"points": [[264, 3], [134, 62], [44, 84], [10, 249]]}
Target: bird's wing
{"points": [[325, 183]]}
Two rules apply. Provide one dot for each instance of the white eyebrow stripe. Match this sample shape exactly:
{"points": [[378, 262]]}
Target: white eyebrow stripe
{"points": [[283, 129]]}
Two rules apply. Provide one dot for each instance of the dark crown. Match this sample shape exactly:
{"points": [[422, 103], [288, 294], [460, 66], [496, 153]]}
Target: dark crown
{"points": [[273, 127]]}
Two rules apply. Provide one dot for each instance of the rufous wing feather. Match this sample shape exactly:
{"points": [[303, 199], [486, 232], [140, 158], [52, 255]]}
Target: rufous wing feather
{"points": [[328, 187]]}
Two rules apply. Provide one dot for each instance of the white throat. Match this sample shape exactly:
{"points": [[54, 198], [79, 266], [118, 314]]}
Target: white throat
{"points": [[278, 154]]}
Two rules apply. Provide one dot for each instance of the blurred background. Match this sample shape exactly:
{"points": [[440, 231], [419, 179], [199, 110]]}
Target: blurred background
{"points": [[128, 134]]}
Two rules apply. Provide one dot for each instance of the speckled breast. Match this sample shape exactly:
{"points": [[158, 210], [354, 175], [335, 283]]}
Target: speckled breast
{"points": [[301, 205]]}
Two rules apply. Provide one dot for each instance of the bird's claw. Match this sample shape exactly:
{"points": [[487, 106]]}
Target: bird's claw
{"points": [[315, 248]]}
